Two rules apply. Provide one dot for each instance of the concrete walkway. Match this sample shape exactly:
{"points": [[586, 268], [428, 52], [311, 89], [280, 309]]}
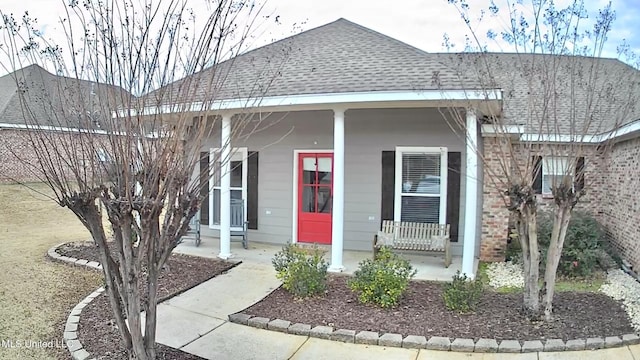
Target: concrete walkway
{"points": [[196, 322]]}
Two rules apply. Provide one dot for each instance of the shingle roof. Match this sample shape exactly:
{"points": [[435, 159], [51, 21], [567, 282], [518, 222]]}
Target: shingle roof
{"points": [[344, 57], [337, 57], [571, 89], [52, 100]]}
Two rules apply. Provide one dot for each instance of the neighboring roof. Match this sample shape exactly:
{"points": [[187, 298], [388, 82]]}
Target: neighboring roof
{"points": [[33, 96], [344, 57], [570, 89]]}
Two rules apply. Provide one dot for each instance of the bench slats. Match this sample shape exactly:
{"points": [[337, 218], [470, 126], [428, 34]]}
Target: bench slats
{"points": [[406, 235]]}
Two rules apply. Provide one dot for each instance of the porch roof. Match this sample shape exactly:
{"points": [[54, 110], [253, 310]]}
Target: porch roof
{"points": [[339, 57]]}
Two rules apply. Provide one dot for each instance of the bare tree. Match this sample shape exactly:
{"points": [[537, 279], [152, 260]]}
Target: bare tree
{"points": [[117, 131], [564, 97]]}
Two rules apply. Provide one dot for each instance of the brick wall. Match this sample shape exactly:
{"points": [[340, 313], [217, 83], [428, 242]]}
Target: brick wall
{"points": [[15, 156], [495, 216], [19, 162], [621, 200]]}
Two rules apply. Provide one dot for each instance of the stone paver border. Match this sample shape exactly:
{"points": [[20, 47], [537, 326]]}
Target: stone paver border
{"points": [[70, 335], [435, 342], [346, 335]]}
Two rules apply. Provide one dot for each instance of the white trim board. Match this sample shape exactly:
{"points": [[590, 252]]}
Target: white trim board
{"points": [[294, 186], [322, 99], [518, 132]]}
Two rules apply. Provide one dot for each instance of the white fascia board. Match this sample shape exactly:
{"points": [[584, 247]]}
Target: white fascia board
{"points": [[627, 129], [54, 128], [497, 130], [328, 99], [491, 130], [71, 130], [557, 138]]}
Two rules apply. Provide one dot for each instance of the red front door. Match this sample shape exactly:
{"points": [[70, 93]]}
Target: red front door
{"points": [[315, 197]]}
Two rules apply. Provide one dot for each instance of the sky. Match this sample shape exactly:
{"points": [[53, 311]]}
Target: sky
{"points": [[420, 23]]}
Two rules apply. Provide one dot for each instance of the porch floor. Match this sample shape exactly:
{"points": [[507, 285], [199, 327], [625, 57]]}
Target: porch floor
{"points": [[429, 267]]}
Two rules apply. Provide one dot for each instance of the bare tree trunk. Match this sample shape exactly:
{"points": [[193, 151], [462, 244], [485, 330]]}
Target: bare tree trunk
{"points": [[153, 271], [558, 234], [109, 268], [131, 270], [531, 261]]}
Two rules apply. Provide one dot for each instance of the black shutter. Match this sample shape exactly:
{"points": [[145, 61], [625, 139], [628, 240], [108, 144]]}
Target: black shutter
{"points": [[579, 174], [454, 167], [388, 185], [204, 187], [252, 190], [537, 174]]}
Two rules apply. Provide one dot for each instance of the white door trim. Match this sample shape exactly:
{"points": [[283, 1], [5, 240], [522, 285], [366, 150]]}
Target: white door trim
{"points": [[296, 153]]}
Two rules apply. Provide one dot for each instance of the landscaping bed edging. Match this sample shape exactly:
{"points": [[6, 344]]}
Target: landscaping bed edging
{"points": [[53, 254], [70, 335], [434, 342]]}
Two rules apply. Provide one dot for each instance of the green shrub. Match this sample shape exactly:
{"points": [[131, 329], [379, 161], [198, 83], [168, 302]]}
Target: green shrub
{"points": [[582, 245], [462, 294], [303, 272], [382, 281]]}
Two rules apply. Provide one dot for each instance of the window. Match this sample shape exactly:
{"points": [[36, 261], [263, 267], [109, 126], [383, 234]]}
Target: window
{"points": [[421, 185], [554, 169], [103, 155], [238, 172]]}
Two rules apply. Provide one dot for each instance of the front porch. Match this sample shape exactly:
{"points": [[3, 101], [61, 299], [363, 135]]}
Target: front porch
{"points": [[429, 266]]}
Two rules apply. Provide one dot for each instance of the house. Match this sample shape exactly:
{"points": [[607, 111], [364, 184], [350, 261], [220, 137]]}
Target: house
{"points": [[339, 127], [360, 136], [64, 109]]}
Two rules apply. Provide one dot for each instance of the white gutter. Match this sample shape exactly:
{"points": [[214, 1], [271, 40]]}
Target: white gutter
{"points": [[518, 130], [52, 128], [321, 99], [151, 135]]}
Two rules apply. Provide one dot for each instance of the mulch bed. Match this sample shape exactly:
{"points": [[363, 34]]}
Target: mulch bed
{"points": [[422, 312], [97, 330]]}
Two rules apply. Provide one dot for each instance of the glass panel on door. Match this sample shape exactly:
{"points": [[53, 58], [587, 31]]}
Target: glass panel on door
{"points": [[309, 170], [309, 199], [324, 199]]}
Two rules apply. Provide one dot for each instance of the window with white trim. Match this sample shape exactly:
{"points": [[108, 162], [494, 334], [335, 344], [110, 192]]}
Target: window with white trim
{"points": [[421, 185], [238, 172], [554, 169]]}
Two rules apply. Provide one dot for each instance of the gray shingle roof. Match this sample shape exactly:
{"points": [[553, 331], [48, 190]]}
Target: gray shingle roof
{"points": [[52, 100], [345, 57], [572, 89], [337, 57]]}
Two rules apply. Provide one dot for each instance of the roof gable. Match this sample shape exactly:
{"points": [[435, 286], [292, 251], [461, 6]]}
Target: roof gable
{"points": [[54, 100], [337, 57]]}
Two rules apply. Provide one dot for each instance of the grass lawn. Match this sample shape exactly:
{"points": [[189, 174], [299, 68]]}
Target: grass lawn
{"points": [[37, 294]]}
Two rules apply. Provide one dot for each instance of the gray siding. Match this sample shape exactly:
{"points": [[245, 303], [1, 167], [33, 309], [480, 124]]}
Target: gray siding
{"points": [[367, 133]]}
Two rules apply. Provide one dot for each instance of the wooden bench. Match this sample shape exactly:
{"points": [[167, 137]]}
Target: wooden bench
{"points": [[403, 235]]}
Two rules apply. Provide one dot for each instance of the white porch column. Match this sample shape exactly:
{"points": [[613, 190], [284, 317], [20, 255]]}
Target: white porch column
{"points": [[471, 195], [337, 220], [225, 188]]}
